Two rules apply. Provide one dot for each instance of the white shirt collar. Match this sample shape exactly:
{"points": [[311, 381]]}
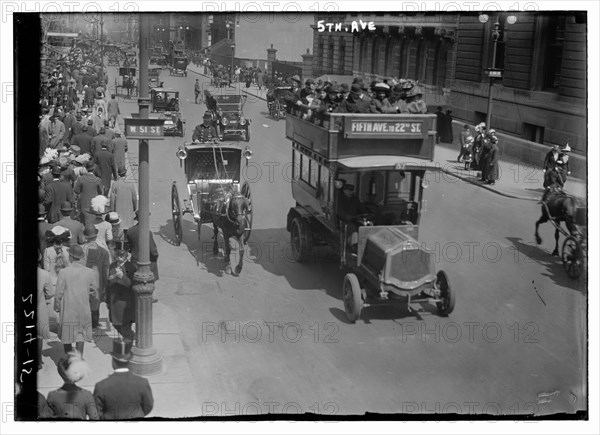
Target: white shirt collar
{"points": [[122, 370]]}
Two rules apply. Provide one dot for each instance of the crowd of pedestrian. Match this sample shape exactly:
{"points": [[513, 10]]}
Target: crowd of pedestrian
{"points": [[88, 237]]}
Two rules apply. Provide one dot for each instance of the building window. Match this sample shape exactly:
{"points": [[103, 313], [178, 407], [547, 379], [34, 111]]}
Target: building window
{"points": [[554, 49], [381, 57], [330, 53], [364, 49], [394, 62], [342, 57], [320, 54]]}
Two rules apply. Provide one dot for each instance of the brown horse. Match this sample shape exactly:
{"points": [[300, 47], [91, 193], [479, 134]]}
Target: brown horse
{"points": [[233, 223], [558, 207]]}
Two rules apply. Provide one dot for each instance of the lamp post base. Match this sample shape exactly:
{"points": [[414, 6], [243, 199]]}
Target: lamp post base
{"points": [[145, 362]]}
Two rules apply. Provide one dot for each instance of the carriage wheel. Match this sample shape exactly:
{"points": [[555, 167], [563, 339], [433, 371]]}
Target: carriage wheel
{"points": [[248, 195], [572, 257], [177, 215], [446, 306], [352, 297], [277, 110], [301, 241]]}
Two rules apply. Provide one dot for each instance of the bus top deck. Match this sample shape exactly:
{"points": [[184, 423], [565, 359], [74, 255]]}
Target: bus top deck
{"points": [[357, 139]]}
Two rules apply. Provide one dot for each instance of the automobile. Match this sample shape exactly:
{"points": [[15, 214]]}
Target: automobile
{"points": [[228, 114], [164, 99], [179, 66], [174, 124]]}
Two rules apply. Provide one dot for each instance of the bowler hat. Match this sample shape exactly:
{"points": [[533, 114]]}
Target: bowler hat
{"points": [[90, 122], [122, 172], [56, 170], [90, 231], [121, 350], [90, 165], [66, 206], [207, 115], [76, 251], [309, 82], [355, 88]]}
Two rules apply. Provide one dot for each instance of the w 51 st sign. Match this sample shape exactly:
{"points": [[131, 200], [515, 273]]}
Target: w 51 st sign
{"points": [[136, 128]]}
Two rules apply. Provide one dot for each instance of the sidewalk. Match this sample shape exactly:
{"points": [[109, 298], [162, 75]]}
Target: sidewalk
{"points": [[516, 180], [173, 388]]}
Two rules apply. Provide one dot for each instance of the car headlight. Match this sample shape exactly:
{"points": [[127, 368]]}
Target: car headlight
{"points": [[224, 121], [242, 121]]}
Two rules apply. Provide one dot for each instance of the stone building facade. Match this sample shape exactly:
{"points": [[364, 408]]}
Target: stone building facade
{"points": [[542, 97]]}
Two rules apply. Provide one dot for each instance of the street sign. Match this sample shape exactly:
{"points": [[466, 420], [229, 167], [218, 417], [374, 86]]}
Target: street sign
{"points": [[494, 73], [151, 128]]}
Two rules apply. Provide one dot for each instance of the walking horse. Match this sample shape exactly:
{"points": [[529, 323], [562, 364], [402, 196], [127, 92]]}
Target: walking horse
{"points": [[557, 207], [231, 216]]}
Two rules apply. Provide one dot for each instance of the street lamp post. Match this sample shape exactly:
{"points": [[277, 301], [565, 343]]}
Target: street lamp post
{"points": [[146, 359], [101, 50], [493, 73]]}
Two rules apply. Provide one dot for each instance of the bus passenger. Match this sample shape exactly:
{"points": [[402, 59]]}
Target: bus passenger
{"points": [[357, 102], [349, 208]]}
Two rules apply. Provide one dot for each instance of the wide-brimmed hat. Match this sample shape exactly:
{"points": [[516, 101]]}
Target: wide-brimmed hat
{"points": [[121, 350], [113, 218], [90, 231], [66, 206], [381, 87]]}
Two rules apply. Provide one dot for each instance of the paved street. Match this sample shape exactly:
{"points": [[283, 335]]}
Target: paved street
{"points": [[276, 339]]}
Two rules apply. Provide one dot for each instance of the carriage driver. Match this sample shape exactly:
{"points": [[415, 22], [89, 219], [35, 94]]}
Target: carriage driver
{"points": [[205, 132]]}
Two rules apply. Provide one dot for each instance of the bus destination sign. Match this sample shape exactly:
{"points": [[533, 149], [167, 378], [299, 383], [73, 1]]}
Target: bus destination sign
{"points": [[360, 128]]}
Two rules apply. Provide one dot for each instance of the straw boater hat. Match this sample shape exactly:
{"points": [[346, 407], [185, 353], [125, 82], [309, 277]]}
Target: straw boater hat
{"points": [[113, 218]]}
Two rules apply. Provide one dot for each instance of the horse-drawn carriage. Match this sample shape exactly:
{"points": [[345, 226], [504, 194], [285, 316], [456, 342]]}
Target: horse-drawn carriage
{"points": [[228, 116], [559, 207], [179, 66], [385, 160], [276, 102], [164, 100], [216, 193]]}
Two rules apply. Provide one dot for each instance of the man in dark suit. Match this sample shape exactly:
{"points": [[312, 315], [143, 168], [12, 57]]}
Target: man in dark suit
{"points": [[57, 192], [75, 227], [91, 130], [106, 163], [83, 140], [357, 102], [101, 139], [123, 395]]}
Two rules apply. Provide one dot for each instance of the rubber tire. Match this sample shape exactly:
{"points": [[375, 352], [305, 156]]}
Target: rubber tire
{"points": [[301, 240], [352, 297], [447, 294], [177, 214]]}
